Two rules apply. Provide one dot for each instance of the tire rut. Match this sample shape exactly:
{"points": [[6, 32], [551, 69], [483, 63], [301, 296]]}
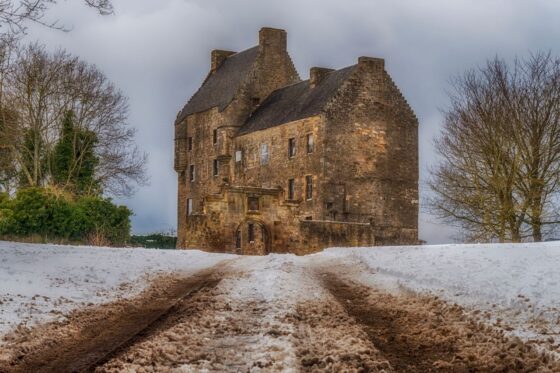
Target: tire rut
{"points": [[92, 336], [425, 334]]}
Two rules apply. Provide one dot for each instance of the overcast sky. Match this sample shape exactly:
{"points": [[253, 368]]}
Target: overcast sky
{"points": [[158, 52]]}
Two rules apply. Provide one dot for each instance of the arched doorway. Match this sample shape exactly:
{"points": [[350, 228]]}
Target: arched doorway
{"points": [[252, 237]]}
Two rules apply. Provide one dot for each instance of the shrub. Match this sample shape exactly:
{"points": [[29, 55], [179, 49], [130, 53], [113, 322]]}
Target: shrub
{"points": [[37, 211]]}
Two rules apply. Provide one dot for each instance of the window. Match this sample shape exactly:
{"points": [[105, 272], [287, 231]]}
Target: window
{"points": [[189, 206], [308, 187], [291, 147], [238, 239], [264, 153], [310, 144], [253, 203], [189, 143], [238, 155], [309, 218], [215, 137], [251, 232], [216, 167], [191, 172], [291, 189]]}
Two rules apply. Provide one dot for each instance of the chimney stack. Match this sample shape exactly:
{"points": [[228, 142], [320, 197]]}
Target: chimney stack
{"points": [[217, 57], [316, 74], [272, 38], [372, 62]]}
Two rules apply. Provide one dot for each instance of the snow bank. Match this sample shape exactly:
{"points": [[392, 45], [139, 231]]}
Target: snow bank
{"points": [[42, 282], [522, 280]]}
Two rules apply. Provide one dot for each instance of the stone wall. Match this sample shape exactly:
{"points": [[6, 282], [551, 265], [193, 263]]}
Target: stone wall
{"points": [[321, 234], [371, 156]]}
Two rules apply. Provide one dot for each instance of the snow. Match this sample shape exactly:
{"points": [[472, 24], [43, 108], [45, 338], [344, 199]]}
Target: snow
{"points": [[42, 282], [517, 282]]}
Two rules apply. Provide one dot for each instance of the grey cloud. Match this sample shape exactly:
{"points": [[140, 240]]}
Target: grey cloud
{"points": [[157, 52]]}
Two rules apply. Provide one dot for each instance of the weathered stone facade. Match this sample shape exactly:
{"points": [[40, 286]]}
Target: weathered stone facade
{"points": [[270, 163]]}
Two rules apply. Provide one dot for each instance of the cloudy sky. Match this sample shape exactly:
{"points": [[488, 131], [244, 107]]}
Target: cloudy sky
{"points": [[158, 52]]}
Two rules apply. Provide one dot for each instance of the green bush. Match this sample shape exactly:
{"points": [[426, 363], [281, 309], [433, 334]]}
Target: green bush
{"points": [[37, 211]]}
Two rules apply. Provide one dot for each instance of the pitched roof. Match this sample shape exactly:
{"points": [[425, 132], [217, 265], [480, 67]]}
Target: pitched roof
{"points": [[220, 87], [295, 102]]}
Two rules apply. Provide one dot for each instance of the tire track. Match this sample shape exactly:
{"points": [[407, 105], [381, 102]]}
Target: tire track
{"points": [[92, 336], [425, 334]]}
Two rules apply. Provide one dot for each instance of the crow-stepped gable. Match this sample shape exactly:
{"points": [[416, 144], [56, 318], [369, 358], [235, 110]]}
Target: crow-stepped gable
{"points": [[270, 163]]}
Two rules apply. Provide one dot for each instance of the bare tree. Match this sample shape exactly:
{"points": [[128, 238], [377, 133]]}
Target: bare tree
{"points": [[41, 88], [14, 15], [500, 150]]}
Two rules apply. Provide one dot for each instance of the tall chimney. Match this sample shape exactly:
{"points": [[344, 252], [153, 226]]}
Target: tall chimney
{"points": [[316, 74], [372, 62], [272, 38], [217, 57]]}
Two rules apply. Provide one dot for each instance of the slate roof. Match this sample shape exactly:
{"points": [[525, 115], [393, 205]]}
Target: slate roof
{"points": [[220, 87], [295, 102]]}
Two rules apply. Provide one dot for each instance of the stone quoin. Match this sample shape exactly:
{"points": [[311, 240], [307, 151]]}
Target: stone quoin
{"points": [[268, 163]]}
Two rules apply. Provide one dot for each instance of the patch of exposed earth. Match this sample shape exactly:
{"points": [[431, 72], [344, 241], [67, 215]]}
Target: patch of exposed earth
{"points": [[271, 314]]}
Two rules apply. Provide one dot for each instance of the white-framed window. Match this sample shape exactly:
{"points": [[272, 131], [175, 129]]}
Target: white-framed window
{"points": [[189, 206], [292, 147], [238, 155], [310, 143], [264, 153]]}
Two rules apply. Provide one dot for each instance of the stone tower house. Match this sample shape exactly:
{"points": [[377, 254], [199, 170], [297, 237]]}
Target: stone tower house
{"points": [[267, 162]]}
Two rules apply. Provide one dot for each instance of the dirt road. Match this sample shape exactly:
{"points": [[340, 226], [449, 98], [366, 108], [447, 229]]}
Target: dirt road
{"points": [[265, 315]]}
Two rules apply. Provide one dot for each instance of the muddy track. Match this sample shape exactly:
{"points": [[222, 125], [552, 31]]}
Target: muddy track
{"points": [[425, 334], [91, 337], [388, 329]]}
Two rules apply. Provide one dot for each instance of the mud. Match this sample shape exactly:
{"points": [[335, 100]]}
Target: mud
{"points": [[425, 334], [90, 337], [223, 320]]}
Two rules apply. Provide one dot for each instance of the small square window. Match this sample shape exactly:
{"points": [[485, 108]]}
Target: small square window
{"points": [[189, 143], [238, 155], [264, 154], [216, 167], [310, 144], [253, 203], [292, 147], [291, 189]]}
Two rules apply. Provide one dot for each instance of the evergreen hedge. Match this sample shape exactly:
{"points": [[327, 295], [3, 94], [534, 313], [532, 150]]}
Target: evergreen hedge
{"points": [[89, 219]]}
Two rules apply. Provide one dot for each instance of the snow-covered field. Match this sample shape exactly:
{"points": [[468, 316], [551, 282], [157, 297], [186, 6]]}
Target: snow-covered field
{"points": [[518, 283], [42, 282], [516, 287]]}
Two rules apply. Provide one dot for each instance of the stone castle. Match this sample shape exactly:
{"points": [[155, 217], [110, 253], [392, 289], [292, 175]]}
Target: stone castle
{"points": [[268, 163]]}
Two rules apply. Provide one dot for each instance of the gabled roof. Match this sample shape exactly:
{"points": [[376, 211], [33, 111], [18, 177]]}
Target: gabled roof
{"points": [[220, 87], [295, 102]]}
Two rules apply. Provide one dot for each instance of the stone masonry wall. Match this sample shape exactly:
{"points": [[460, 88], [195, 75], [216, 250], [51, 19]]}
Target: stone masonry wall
{"points": [[372, 160]]}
